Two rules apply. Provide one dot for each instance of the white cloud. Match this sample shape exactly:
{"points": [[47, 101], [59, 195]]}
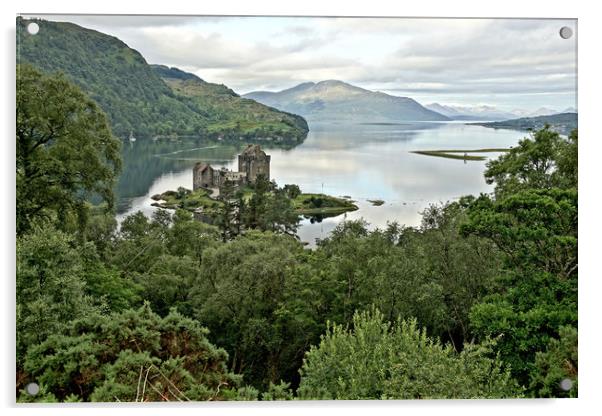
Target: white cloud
{"points": [[440, 59]]}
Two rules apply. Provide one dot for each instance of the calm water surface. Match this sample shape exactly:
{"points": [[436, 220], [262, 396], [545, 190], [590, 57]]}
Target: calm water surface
{"points": [[362, 161]]}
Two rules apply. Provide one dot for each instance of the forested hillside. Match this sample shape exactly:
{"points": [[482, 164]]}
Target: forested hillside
{"points": [[135, 97]]}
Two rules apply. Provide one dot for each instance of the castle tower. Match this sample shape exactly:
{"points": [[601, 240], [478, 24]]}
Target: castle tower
{"points": [[253, 162], [203, 176]]}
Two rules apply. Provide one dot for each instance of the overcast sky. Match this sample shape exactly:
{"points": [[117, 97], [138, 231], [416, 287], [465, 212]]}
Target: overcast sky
{"points": [[507, 63]]}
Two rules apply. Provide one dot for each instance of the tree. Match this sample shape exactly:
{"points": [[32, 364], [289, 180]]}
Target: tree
{"points": [[537, 232], [227, 214], [168, 282], [270, 208], [431, 273], [50, 286], [134, 355], [464, 268], [280, 216], [141, 242], [65, 150], [556, 365], [188, 237], [292, 190], [239, 295], [568, 162], [383, 360], [535, 163]]}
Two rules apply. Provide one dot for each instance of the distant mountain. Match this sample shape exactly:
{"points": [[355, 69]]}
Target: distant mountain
{"points": [[563, 123], [543, 111], [481, 112], [145, 100], [490, 113], [334, 100]]}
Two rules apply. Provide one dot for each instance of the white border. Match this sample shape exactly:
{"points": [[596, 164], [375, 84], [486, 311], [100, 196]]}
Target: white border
{"points": [[590, 149]]}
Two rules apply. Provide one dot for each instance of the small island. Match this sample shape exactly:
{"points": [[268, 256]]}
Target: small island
{"points": [[213, 189], [376, 202], [464, 154], [201, 200]]}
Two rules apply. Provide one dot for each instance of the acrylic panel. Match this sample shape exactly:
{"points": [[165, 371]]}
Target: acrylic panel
{"points": [[295, 208]]}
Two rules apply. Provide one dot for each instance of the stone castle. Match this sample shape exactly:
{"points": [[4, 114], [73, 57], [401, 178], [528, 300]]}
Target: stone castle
{"points": [[252, 162]]}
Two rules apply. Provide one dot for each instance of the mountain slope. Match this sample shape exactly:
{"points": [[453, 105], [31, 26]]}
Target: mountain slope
{"points": [[233, 114], [334, 100], [562, 123], [135, 96]]}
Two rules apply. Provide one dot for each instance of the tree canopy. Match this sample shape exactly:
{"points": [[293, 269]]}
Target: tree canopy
{"points": [[376, 359], [65, 150]]}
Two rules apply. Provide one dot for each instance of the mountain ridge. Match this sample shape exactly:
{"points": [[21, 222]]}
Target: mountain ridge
{"points": [[336, 100], [490, 113]]}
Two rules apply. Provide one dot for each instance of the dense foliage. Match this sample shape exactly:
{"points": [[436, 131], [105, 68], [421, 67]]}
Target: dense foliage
{"points": [[65, 150], [480, 300], [378, 359], [135, 97], [132, 356]]}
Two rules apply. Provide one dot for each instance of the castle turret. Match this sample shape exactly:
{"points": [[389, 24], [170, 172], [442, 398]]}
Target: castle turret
{"points": [[254, 162], [203, 176]]}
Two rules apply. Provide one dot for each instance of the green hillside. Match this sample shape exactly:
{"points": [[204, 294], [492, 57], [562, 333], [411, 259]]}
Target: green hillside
{"points": [[232, 114], [134, 95]]}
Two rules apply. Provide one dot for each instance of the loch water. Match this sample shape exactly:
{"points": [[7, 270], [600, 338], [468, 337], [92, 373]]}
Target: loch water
{"points": [[361, 161]]}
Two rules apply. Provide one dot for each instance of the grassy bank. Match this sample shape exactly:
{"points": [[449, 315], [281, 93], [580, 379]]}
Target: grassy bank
{"points": [[304, 204], [186, 199]]}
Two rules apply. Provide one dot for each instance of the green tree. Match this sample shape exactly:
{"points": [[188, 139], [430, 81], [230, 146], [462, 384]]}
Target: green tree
{"points": [[239, 295], [50, 286], [292, 190], [168, 283], [270, 208], [557, 364], [381, 360], [141, 242], [227, 214], [535, 163], [464, 268], [134, 355], [537, 232], [65, 150], [568, 162], [280, 216], [188, 237]]}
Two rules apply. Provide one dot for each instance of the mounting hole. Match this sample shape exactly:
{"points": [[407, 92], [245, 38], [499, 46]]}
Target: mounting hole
{"points": [[566, 32], [33, 28], [32, 389], [566, 384]]}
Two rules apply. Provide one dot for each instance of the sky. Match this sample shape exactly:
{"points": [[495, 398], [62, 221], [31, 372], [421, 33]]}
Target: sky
{"points": [[507, 63]]}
